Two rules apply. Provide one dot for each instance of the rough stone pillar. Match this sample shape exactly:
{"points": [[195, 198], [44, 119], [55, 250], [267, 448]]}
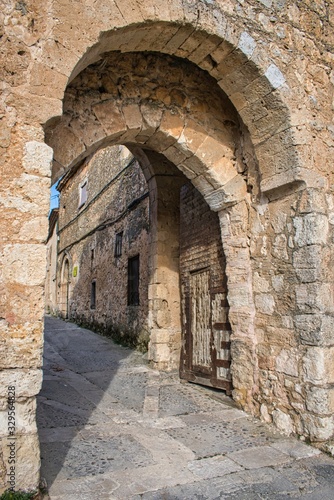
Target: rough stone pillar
{"points": [[164, 288], [315, 309], [233, 222], [24, 208]]}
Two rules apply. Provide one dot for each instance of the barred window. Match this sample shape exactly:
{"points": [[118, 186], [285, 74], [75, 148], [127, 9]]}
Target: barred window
{"points": [[133, 281], [93, 295], [83, 194], [118, 244]]}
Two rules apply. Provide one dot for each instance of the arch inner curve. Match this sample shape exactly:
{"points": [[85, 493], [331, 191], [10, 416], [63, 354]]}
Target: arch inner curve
{"points": [[155, 103]]}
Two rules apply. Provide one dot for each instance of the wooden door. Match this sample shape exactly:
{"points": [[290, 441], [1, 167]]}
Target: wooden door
{"points": [[205, 356]]}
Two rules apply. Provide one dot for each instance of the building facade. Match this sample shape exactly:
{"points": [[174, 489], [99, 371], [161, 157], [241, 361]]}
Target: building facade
{"points": [[236, 97], [103, 243], [51, 292]]}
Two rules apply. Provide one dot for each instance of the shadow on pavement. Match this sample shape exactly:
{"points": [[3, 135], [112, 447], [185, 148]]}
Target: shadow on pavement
{"points": [[79, 391]]}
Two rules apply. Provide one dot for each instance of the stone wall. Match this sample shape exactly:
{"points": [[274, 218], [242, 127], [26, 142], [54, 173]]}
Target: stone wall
{"points": [[274, 61], [117, 202]]}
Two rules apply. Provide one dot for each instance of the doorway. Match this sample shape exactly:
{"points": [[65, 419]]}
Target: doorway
{"points": [[205, 354]]}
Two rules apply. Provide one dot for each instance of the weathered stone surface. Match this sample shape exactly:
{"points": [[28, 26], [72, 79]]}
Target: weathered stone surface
{"points": [[283, 422], [26, 471], [287, 362], [257, 457], [37, 158], [59, 61], [311, 229], [25, 416], [318, 366], [308, 263], [265, 303], [25, 264], [26, 382]]}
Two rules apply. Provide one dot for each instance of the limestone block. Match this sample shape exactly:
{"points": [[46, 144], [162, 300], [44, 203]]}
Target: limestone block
{"points": [[320, 400], [260, 284], [25, 417], [21, 352], [314, 298], [313, 200], [243, 370], [314, 365], [152, 115], [308, 328], [27, 460], [239, 295], [110, 117], [283, 422], [278, 282], [279, 248], [247, 44], [160, 336], [192, 136], [74, 145], [38, 108], [319, 428], [177, 157], [26, 382], [202, 185], [61, 58], [24, 264], [232, 193], [311, 229], [5, 135], [203, 49], [47, 82], [218, 159], [90, 131], [329, 365], [278, 222], [275, 76], [130, 11], [35, 229], [287, 362], [28, 193], [265, 416], [284, 337], [159, 353], [276, 185], [327, 330], [171, 124], [183, 168], [37, 158], [265, 303], [308, 263]]}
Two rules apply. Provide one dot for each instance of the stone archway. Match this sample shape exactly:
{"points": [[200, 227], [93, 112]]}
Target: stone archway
{"points": [[64, 290], [52, 44], [188, 119]]}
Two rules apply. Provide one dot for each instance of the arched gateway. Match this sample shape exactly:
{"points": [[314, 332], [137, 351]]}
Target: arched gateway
{"points": [[190, 83]]}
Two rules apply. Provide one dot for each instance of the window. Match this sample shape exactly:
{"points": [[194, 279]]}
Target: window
{"points": [[118, 244], [93, 295], [83, 194], [133, 281]]}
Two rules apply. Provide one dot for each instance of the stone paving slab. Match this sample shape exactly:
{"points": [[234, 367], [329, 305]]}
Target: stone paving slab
{"points": [[261, 456], [112, 428]]}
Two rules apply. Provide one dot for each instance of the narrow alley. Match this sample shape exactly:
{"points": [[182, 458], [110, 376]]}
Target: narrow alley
{"points": [[110, 427]]}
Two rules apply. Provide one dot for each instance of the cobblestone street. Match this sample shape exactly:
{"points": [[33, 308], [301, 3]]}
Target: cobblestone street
{"points": [[112, 428]]}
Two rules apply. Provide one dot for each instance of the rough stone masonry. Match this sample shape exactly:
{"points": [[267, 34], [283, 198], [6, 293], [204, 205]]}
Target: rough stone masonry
{"points": [[250, 124]]}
